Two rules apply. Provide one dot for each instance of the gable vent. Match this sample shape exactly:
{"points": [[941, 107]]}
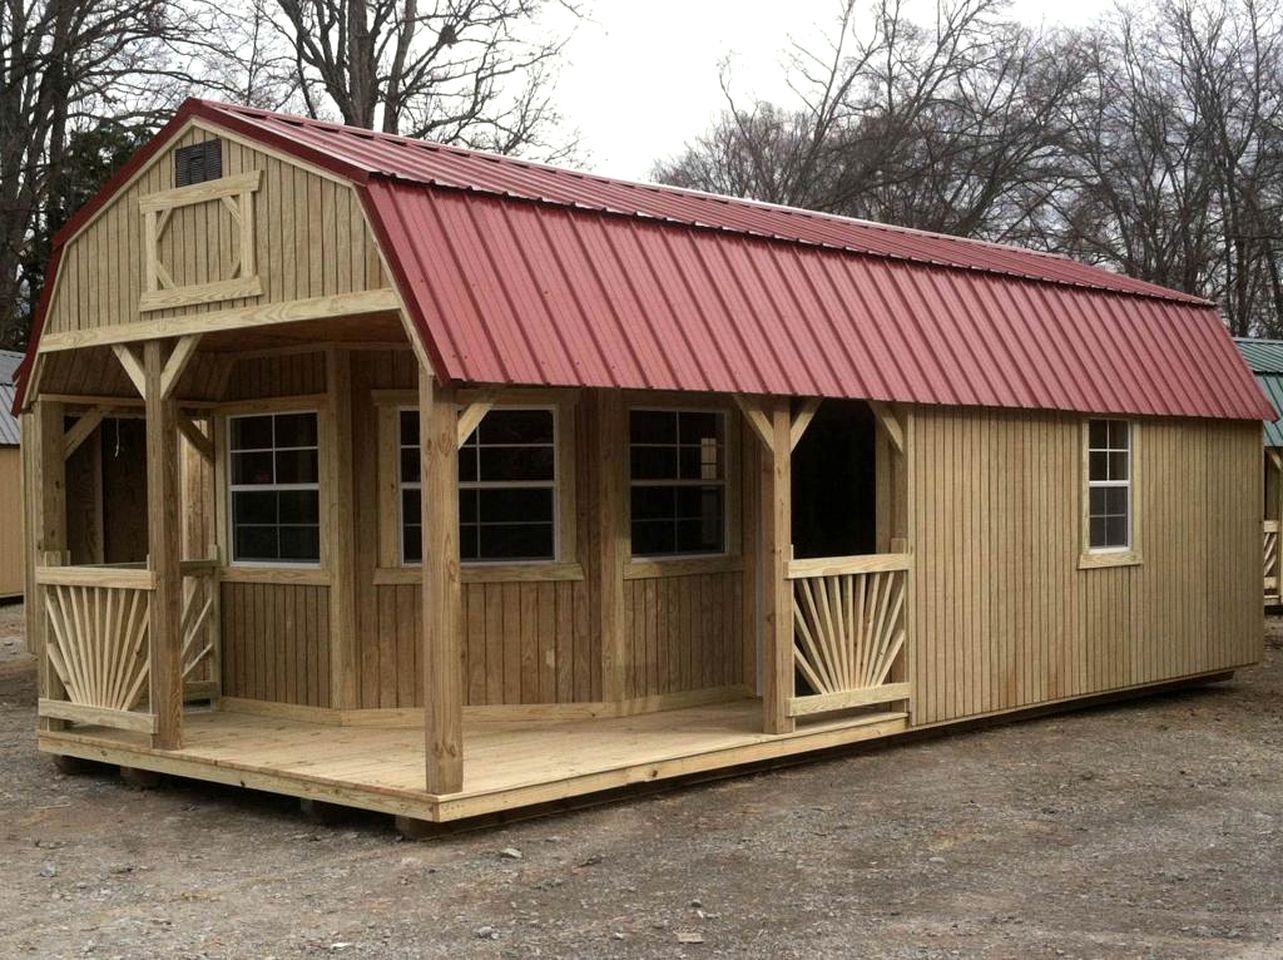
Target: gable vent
{"points": [[198, 162]]}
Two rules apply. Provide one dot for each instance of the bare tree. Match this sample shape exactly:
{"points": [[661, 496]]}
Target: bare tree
{"points": [[471, 72], [65, 65]]}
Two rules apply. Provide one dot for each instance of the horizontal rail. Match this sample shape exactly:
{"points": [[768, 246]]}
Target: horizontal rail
{"points": [[1271, 526], [846, 699], [96, 716], [125, 578], [193, 568], [841, 566]]}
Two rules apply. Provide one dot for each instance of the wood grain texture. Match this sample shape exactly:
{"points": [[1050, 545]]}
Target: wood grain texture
{"points": [[276, 642], [310, 239], [1002, 615]]}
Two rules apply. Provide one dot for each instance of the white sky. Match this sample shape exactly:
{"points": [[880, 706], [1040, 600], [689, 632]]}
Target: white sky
{"points": [[640, 77]]}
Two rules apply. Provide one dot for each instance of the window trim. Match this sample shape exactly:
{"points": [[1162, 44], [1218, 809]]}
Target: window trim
{"points": [[231, 488], [558, 532], [1129, 555], [636, 563]]}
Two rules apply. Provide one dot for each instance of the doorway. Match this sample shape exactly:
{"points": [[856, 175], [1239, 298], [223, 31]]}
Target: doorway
{"points": [[834, 483]]}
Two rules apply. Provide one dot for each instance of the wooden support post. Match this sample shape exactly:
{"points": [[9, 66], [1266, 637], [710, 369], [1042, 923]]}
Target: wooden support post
{"points": [[45, 477], [614, 545], [340, 533], [777, 589], [164, 544], [442, 593]]}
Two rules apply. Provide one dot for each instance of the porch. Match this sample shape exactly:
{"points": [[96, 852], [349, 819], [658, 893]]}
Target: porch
{"points": [[510, 763]]}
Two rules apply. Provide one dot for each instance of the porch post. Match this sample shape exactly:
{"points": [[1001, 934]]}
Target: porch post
{"points": [[777, 551], [164, 545], [45, 480], [442, 593]]}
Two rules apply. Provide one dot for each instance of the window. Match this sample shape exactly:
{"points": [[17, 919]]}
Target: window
{"points": [[678, 482], [1109, 485], [198, 163], [507, 487], [275, 492]]}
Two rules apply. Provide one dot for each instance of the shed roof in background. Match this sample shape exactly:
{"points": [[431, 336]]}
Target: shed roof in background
{"points": [[1265, 357], [520, 273], [10, 429]]}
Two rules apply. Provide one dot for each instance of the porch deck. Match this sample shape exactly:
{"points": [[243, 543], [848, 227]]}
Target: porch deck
{"points": [[509, 763]]}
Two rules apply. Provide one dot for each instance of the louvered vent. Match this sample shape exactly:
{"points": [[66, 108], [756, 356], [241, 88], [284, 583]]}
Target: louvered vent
{"points": [[198, 163]]}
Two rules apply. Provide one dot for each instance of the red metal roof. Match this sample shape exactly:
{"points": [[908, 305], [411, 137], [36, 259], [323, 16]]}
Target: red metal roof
{"points": [[525, 274]]}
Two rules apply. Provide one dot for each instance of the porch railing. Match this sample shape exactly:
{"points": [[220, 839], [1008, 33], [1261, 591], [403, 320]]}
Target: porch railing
{"points": [[97, 638], [1271, 532], [849, 631]]}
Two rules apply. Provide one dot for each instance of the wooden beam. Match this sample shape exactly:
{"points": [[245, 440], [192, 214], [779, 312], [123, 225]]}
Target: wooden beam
{"points": [[293, 311], [472, 415], [164, 545], [889, 422], [80, 431], [442, 591], [45, 498], [182, 354], [129, 360], [340, 529], [196, 437], [228, 186], [777, 552], [614, 544], [802, 419], [761, 424]]}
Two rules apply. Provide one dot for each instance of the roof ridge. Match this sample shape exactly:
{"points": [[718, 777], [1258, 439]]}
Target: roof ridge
{"points": [[1125, 284], [646, 185]]}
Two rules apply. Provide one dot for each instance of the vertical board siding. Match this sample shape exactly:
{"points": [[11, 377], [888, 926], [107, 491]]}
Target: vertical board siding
{"points": [[276, 642], [523, 642], [277, 375], [683, 633], [311, 240], [1003, 616], [12, 554]]}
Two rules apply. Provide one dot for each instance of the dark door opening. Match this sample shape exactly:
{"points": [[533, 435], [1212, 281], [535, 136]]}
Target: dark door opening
{"points": [[107, 494], [834, 483]]}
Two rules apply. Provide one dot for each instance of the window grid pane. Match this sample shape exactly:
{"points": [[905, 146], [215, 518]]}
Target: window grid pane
{"points": [[507, 487], [677, 476], [1109, 484], [275, 500]]}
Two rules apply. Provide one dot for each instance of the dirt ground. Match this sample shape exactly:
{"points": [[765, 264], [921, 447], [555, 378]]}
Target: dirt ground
{"points": [[1147, 829]]}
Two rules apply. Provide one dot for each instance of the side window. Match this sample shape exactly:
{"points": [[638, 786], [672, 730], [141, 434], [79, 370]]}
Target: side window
{"points": [[677, 469], [274, 488], [507, 487], [1109, 485]]}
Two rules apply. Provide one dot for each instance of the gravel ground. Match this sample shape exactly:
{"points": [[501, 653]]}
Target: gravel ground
{"points": [[1148, 829]]}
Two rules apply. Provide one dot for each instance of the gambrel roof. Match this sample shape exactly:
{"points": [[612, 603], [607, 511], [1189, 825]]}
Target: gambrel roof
{"points": [[519, 273], [1265, 357]]}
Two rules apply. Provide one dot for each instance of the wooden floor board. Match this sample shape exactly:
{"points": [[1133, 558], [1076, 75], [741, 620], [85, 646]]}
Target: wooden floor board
{"points": [[508, 764]]}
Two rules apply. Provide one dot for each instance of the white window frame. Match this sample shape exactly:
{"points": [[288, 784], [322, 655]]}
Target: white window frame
{"points": [[554, 485], [234, 488], [1126, 484], [723, 482]]}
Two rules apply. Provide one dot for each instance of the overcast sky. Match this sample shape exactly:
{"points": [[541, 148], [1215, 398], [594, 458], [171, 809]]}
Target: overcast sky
{"points": [[640, 77]]}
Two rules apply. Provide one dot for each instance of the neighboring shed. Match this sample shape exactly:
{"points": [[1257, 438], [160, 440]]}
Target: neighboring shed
{"points": [[460, 484], [1265, 357], [12, 553]]}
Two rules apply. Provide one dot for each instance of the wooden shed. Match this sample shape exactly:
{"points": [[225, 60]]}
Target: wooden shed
{"points": [[408, 477], [1265, 358], [13, 552]]}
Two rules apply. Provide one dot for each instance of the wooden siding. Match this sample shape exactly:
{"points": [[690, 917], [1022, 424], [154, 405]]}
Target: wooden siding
{"points": [[1004, 618], [311, 240], [12, 564], [289, 374], [683, 633], [276, 642], [524, 642]]}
